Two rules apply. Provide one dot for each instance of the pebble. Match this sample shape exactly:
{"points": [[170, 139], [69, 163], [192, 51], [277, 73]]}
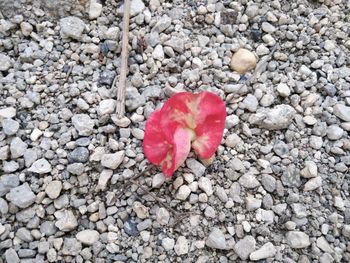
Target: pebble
{"points": [[83, 124], [162, 216], [196, 167], [334, 132], [41, 166], [216, 239], [310, 170], [181, 246], [112, 160], [342, 112], [6, 64], [136, 7], [242, 61], [21, 196], [297, 239], [106, 107], [281, 149], [205, 184], [103, 179], [88, 237], [268, 250], [17, 147], [7, 113], [66, 221], [158, 180], [140, 210], [276, 118], [158, 53], [53, 189], [244, 247], [249, 181], [72, 27], [7, 182], [313, 184], [95, 9], [79, 155], [10, 127], [168, 243], [11, 256], [283, 90], [183, 192]]}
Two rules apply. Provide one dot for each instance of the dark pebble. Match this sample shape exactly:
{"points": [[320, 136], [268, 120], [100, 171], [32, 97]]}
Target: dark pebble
{"points": [[106, 77], [130, 227], [79, 155]]}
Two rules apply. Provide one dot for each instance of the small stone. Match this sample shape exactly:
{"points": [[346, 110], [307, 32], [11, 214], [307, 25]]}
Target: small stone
{"points": [[168, 243], [252, 203], [276, 118], [297, 239], [7, 113], [140, 210], [310, 120], [21, 196], [250, 103], [4, 152], [313, 184], [136, 7], [66, 220], [10, 127], [181, 246], [76, 168], [72, 27], [183, 193], [131, 228], [281, 149], [162, 216], [158, 180], [24, 234], [162, 24], [53, 189], [267, 27], [329, 45], [316, 142], [26, 28], [71, 247], [79, 155], [158, 53], [341, 111], [244, 247], [145, 224], [95, 9], [232, 140], [176, 43], [334, 132], [88, 236], [310, 170], [242, 61], [268, 250], [11, 256], [17, 147], [83, 124], [6, 64], [103, 179], [35, 135], [40, 166], [268, 182], [106, 107], [112, 160], [323, 244], [283, 90], [196, 167], [205, 184], [216, 239], [48, 228], [249, 181]]}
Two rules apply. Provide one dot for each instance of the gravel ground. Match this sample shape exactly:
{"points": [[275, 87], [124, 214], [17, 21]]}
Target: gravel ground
{"points": [[278, 190]]}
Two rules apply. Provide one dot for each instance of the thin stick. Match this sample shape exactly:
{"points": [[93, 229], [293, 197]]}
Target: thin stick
{"points": [[124, 62]]}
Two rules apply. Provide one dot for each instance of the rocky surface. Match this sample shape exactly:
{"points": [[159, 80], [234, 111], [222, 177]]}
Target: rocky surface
{"points": [[278, 188]]}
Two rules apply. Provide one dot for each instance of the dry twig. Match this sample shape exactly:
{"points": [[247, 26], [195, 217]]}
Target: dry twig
{"points": [[124, 62]]}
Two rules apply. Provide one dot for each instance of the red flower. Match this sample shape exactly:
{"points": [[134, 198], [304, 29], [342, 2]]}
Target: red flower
{"points": [[184, 119]]}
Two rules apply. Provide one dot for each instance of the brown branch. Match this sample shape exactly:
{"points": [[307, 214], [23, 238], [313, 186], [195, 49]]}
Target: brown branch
{"points": [[124, 62]]}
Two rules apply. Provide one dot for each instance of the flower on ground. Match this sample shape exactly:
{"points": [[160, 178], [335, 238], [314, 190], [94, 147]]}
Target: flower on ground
{"points": [[185, 120]]}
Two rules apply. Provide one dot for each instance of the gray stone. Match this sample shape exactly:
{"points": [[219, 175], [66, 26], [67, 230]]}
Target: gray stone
{"points": [[11, 256], [297, 239], [168, 243], [268, 250], [176, 43], [10, 167], [244, 247], [30, 156], [4, 152], [6, 62], [106, 107], [83, 124], [162, 24], [291, 176], [103, 179], [334, 132], [4, 208], [21, 196], [136, 7], [250, 103], [48, 228], [181, 246], [313, 184], [88, 237], [17, 147], [183, 193], [145, 224], [248, 180], [72, 27], [24, 234], [71, 247], [41, 166], [216, 239], [10, 127], [252, 203], [204, 184], [162, 216], [76, 168], [7, 113], [196, 167], [281, 149], [107, 77], [112, 160], [310, 170], [7, 182], [342, 112], [53, 189], [268, 182], [133, 99], [95, 9], [79, 155], [158, 180], [276, 118], [66, 220]]}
